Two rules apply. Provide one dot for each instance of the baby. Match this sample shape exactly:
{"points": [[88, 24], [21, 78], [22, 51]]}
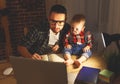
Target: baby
{"points": [[77, 42]]}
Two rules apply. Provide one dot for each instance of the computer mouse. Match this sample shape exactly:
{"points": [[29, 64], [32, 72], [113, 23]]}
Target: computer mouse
{"points": [[8, 71]]}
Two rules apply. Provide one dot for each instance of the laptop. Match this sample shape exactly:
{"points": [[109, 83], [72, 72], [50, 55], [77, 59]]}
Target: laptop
{"points": [[29, 71]]}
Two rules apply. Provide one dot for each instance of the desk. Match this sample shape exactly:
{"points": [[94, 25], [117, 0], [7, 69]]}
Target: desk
{"points": [[72, 77], [95, 61]]}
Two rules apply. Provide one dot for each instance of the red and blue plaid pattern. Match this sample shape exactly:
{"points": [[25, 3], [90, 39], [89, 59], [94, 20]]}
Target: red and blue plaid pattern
{"points": [[80, 38]]}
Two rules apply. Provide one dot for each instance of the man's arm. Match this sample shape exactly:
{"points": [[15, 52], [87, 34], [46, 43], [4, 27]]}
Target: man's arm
{"points": [[25, 53]]}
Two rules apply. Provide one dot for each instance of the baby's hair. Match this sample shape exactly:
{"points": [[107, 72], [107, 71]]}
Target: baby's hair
{"points": [[78, 18]]}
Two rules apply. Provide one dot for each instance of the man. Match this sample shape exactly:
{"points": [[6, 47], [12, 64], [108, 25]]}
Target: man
{"points": [[46, 37]]}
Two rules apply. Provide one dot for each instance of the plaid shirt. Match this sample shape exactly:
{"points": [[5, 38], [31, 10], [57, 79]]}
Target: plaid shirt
{"points": [[36, 40], [82, 38]]}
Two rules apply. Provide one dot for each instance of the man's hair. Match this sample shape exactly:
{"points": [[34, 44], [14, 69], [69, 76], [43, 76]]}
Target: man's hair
{"points": [[78, 18], [58, 9]]}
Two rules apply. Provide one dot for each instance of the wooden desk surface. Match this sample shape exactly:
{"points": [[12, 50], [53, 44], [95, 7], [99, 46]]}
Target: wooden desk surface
{"points": [[95, 61]]}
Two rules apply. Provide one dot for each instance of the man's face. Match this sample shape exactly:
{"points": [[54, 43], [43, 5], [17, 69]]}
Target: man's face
{"points": [[76, 28], [57, 21]]}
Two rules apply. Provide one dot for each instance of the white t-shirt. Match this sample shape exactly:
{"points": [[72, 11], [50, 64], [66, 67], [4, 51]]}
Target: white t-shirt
{"points": [[53, 38]]}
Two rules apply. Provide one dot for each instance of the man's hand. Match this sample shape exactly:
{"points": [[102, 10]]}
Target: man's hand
{"points": [[86, 49], [55, 48], [36, 56]]}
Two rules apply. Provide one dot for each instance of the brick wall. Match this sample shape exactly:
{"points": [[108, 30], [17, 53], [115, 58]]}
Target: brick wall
{"points": [[22, 13], [2, 42]]}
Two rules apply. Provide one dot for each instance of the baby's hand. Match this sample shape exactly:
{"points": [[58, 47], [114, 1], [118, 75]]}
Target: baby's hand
{"points": [[69, 46], [86, 49]]}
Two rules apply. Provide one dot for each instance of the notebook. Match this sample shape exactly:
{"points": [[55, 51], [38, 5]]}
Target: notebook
{"points": [[87, 75], [28, 71]]}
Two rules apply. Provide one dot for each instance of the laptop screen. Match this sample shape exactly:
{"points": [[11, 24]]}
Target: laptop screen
{"points": [[28, 71]]}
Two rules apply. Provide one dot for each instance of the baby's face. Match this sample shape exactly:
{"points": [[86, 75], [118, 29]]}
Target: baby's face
{"points": [[76, 28]]}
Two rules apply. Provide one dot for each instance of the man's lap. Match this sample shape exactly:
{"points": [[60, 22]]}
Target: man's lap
{"points": [[56, 57], [53, 57]]}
